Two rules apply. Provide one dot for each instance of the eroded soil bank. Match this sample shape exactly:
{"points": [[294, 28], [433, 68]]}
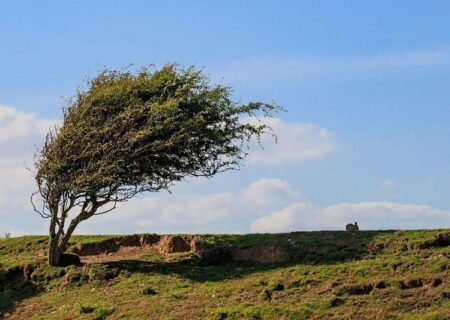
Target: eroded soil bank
{"points": [[292, 247], [132, 246]]}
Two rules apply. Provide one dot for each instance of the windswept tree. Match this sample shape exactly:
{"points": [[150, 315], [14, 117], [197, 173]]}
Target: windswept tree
{"points": [[128, 133]]}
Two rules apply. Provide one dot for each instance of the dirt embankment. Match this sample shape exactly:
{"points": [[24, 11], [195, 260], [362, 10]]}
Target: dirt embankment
{"points": [[121, 247], [282, 248], [134, 246]]}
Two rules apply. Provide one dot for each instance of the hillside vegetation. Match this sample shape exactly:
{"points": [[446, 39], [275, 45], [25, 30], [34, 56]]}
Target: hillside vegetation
{"points": [[302, 275]]}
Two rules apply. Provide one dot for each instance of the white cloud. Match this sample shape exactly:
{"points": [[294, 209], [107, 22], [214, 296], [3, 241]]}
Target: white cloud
{"points": [[284, 220], [20, 134], [273, 68], [199, 210], [215, 211], [369, 215], [266, 205], [297, 142], [267, 193]]}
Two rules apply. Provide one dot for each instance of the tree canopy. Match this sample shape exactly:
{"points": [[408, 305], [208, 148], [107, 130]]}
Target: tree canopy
{"points": [[127, 133]]}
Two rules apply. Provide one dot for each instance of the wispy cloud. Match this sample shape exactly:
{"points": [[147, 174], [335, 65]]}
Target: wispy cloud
{"points": [[266, 68], [296, 143]]}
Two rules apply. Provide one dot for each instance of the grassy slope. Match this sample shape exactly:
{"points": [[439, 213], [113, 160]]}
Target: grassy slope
{"points": [[323, 284]]}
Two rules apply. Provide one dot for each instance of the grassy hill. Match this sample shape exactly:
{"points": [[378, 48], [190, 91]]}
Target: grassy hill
{"points": [[302, 275]]}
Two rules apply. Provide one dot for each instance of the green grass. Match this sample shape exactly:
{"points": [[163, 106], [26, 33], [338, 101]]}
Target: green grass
{"points": [[330, 275], [92, 238]]}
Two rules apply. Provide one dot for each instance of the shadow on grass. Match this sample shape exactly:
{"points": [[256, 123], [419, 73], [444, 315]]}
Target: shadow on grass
{"points": [[299, 248], [14, 288], [193, 269]]}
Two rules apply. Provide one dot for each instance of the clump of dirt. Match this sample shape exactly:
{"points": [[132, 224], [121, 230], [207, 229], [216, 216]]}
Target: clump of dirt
{"points": [[169, 244], [355, 290], [17, 273], [395, 266], [410, 284], [441, 240], [101, 273], [266, 295], [149, 291], [74, 277], [149, 239], [334, 302], [436, 282], [278, 286], [30, 273]]}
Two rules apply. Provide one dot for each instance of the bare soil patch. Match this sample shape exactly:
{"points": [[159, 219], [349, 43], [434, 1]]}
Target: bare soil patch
{"points": [[123, 253], [134, 247]]}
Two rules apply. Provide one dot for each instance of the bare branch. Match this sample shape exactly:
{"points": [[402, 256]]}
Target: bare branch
{"points": [[106, 211], [40, 212]]}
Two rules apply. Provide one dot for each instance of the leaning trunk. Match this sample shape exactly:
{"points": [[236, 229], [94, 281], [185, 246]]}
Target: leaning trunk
{"points": [[54, 252], [60, 239]]}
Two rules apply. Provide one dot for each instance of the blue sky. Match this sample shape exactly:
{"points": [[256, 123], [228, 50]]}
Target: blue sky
{"points": [[365, 84]]}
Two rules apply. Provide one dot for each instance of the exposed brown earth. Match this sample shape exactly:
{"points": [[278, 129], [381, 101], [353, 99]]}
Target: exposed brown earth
{"points": [[123, 253], [283, 250], [133, 246]]}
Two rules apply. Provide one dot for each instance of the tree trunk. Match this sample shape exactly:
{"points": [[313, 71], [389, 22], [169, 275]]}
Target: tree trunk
{"points": [[54, 252], [59, 240], [58, 243]]}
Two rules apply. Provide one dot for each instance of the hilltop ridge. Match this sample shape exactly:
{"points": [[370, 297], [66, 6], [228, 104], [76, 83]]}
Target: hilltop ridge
{"points": [[299, 275]]}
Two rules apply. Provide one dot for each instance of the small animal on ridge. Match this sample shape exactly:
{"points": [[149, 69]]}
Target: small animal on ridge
{"points": [[352, 227]]}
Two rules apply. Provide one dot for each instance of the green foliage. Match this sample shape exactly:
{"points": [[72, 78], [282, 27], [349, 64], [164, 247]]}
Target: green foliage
{"points": [[142, 132], [128, 133]]}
